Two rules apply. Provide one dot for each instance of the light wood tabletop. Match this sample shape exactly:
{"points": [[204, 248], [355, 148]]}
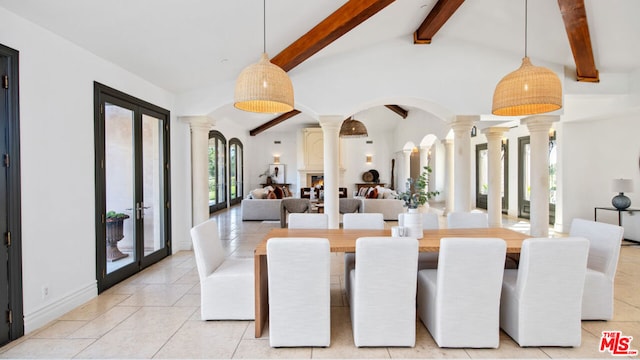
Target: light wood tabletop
{"points": [[341, 240]]}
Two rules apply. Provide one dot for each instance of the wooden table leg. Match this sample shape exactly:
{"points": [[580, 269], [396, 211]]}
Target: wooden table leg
{"points": [[261, 293]]}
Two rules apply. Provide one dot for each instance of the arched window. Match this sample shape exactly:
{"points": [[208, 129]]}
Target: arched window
{"points": [[236, 164], [217, 171]]}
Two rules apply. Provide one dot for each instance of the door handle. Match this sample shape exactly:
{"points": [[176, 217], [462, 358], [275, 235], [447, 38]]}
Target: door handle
{"points": [[139, 211]]}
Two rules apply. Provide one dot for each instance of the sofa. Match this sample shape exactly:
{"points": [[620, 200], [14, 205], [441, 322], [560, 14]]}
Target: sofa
{"points": [[261, 209], [389, 208]]}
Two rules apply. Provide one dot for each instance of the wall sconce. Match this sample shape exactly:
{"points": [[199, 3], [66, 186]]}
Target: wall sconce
{"points": [[276, 159], [369, 159], [552, 134], [474, 131]]}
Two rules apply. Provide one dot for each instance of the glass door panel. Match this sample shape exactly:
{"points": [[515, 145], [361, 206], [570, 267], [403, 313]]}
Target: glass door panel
{"points": [[119, 186], [151, 209], [482, 175]]}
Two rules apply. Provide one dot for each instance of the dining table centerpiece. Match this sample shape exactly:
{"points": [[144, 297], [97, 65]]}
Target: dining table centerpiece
{"points": [[416, 195]]}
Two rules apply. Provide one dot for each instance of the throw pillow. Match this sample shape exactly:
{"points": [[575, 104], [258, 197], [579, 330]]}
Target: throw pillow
{"points": [[286, 192], [271, 195], [363, 191], [259, 194], [279, 193], [372, 193]]}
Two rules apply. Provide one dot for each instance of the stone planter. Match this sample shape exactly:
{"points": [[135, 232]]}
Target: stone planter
{"points": [[413, 223], [115, 233]]}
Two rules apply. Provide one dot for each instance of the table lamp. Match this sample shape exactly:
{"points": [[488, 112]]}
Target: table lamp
{"points": [[621, 186]]}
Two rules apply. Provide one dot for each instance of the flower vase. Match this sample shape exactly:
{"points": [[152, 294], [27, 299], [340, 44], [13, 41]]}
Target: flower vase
{"points": [[413, 223]]}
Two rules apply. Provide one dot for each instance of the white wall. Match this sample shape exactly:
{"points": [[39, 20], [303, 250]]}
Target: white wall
{"points": [[57, 163]]}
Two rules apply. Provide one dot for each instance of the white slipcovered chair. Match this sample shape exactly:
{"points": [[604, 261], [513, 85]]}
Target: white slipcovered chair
{"points": [[459, 303], [383, 301], [462, 220], [226, 285], [308, 221], [358, 221], [299, 292], [426, 260], [604, 251], [541, 300]]}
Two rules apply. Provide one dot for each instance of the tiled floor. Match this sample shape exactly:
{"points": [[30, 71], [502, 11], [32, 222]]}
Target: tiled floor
{"points": [[155, 314]]}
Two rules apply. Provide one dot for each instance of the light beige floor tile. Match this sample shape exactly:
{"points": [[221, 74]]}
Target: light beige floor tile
{"points": [[47, 349], [260, 349], [59, 329], [157, 295], [508, 349], [588, 349], [192, 300], [204, 339], [95, 307], [104, 323], [141, 335], [426, 348]]}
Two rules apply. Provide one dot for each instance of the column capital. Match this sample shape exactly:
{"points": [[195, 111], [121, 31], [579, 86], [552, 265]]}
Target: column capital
{"points": [[199, 122], [447, 141], [329, 122], [495, 132], [464, 122], [539, 123]]}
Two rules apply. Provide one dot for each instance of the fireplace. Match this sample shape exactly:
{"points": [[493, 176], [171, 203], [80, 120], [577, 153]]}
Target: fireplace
{"points": [[314, 180]]}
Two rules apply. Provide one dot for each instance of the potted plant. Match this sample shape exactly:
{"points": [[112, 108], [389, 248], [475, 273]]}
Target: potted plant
{"points": [[416, 195], [115, 233]]}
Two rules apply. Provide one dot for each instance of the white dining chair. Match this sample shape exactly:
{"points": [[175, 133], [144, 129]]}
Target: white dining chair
{"points": [[383, 301], [604, 251], [462, 220], [541, 300], [226, 284], [459, 302], [308, 221], [299, 292], [361, 221]]}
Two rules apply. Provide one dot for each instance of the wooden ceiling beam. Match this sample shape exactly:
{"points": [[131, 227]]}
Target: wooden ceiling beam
{"points": [[437, 17], [341, 21], [398, 110], [274, 122], [574, 16]]}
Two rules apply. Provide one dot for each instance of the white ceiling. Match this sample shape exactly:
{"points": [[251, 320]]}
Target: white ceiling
{"points": [[186, 45]]}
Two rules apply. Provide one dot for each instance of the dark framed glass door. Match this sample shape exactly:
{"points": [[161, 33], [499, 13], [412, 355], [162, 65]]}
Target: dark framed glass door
{"points": [[524, 178], [217, 171], [132, 185], [236, 171], [482, 175]]}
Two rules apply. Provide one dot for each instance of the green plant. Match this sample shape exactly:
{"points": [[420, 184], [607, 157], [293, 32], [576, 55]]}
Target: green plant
{"points": [[416, 193], [114, 215]]}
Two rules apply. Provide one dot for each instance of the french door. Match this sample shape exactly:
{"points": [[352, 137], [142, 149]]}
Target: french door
{"points": [[235, 171], [217, 171], [132, 180], [524, 178], [482, 175]]}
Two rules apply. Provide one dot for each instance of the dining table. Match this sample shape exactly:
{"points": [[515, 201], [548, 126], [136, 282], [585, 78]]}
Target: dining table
{"points": [[344, 240]]}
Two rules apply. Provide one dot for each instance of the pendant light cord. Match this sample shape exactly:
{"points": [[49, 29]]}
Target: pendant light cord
{"points": [[525, 27], [264, 26]]}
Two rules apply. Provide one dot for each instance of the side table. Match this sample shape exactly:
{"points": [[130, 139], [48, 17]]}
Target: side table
{"points": [[629, 210]]}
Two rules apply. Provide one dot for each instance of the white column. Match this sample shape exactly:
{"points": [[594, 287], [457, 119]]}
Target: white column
{"points": [[330, 132], [462, 161], [448, 174], [200, 126], [494, 198], [406, 168], [539, 126]]}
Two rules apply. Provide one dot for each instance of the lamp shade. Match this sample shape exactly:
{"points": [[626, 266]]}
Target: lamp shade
{"points": [[622, 185], [352, 128], [264, 88], [527, 91]]}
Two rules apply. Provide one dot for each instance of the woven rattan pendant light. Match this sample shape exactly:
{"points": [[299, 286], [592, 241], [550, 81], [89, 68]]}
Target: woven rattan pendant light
{"points": [[264, 87], [528, 90], [352, 128]]}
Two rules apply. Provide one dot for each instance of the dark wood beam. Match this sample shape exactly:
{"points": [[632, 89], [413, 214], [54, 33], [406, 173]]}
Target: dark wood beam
{"points": [[274, 122], [574, 16], [437, 17], [347, 17], [398, 110]]}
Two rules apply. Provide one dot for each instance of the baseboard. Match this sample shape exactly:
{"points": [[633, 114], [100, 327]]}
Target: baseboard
{"points": [[54, 310]]}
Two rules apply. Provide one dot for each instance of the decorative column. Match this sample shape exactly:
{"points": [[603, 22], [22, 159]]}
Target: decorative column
{"points": [[494, 198], [406, 168], [539, 126], [462, 161], [330, 131], [448, 175], [200, 126]]}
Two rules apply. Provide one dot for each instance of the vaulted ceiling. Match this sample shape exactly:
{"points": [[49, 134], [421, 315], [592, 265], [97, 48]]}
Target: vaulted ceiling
{"points": [[187, 45]]}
